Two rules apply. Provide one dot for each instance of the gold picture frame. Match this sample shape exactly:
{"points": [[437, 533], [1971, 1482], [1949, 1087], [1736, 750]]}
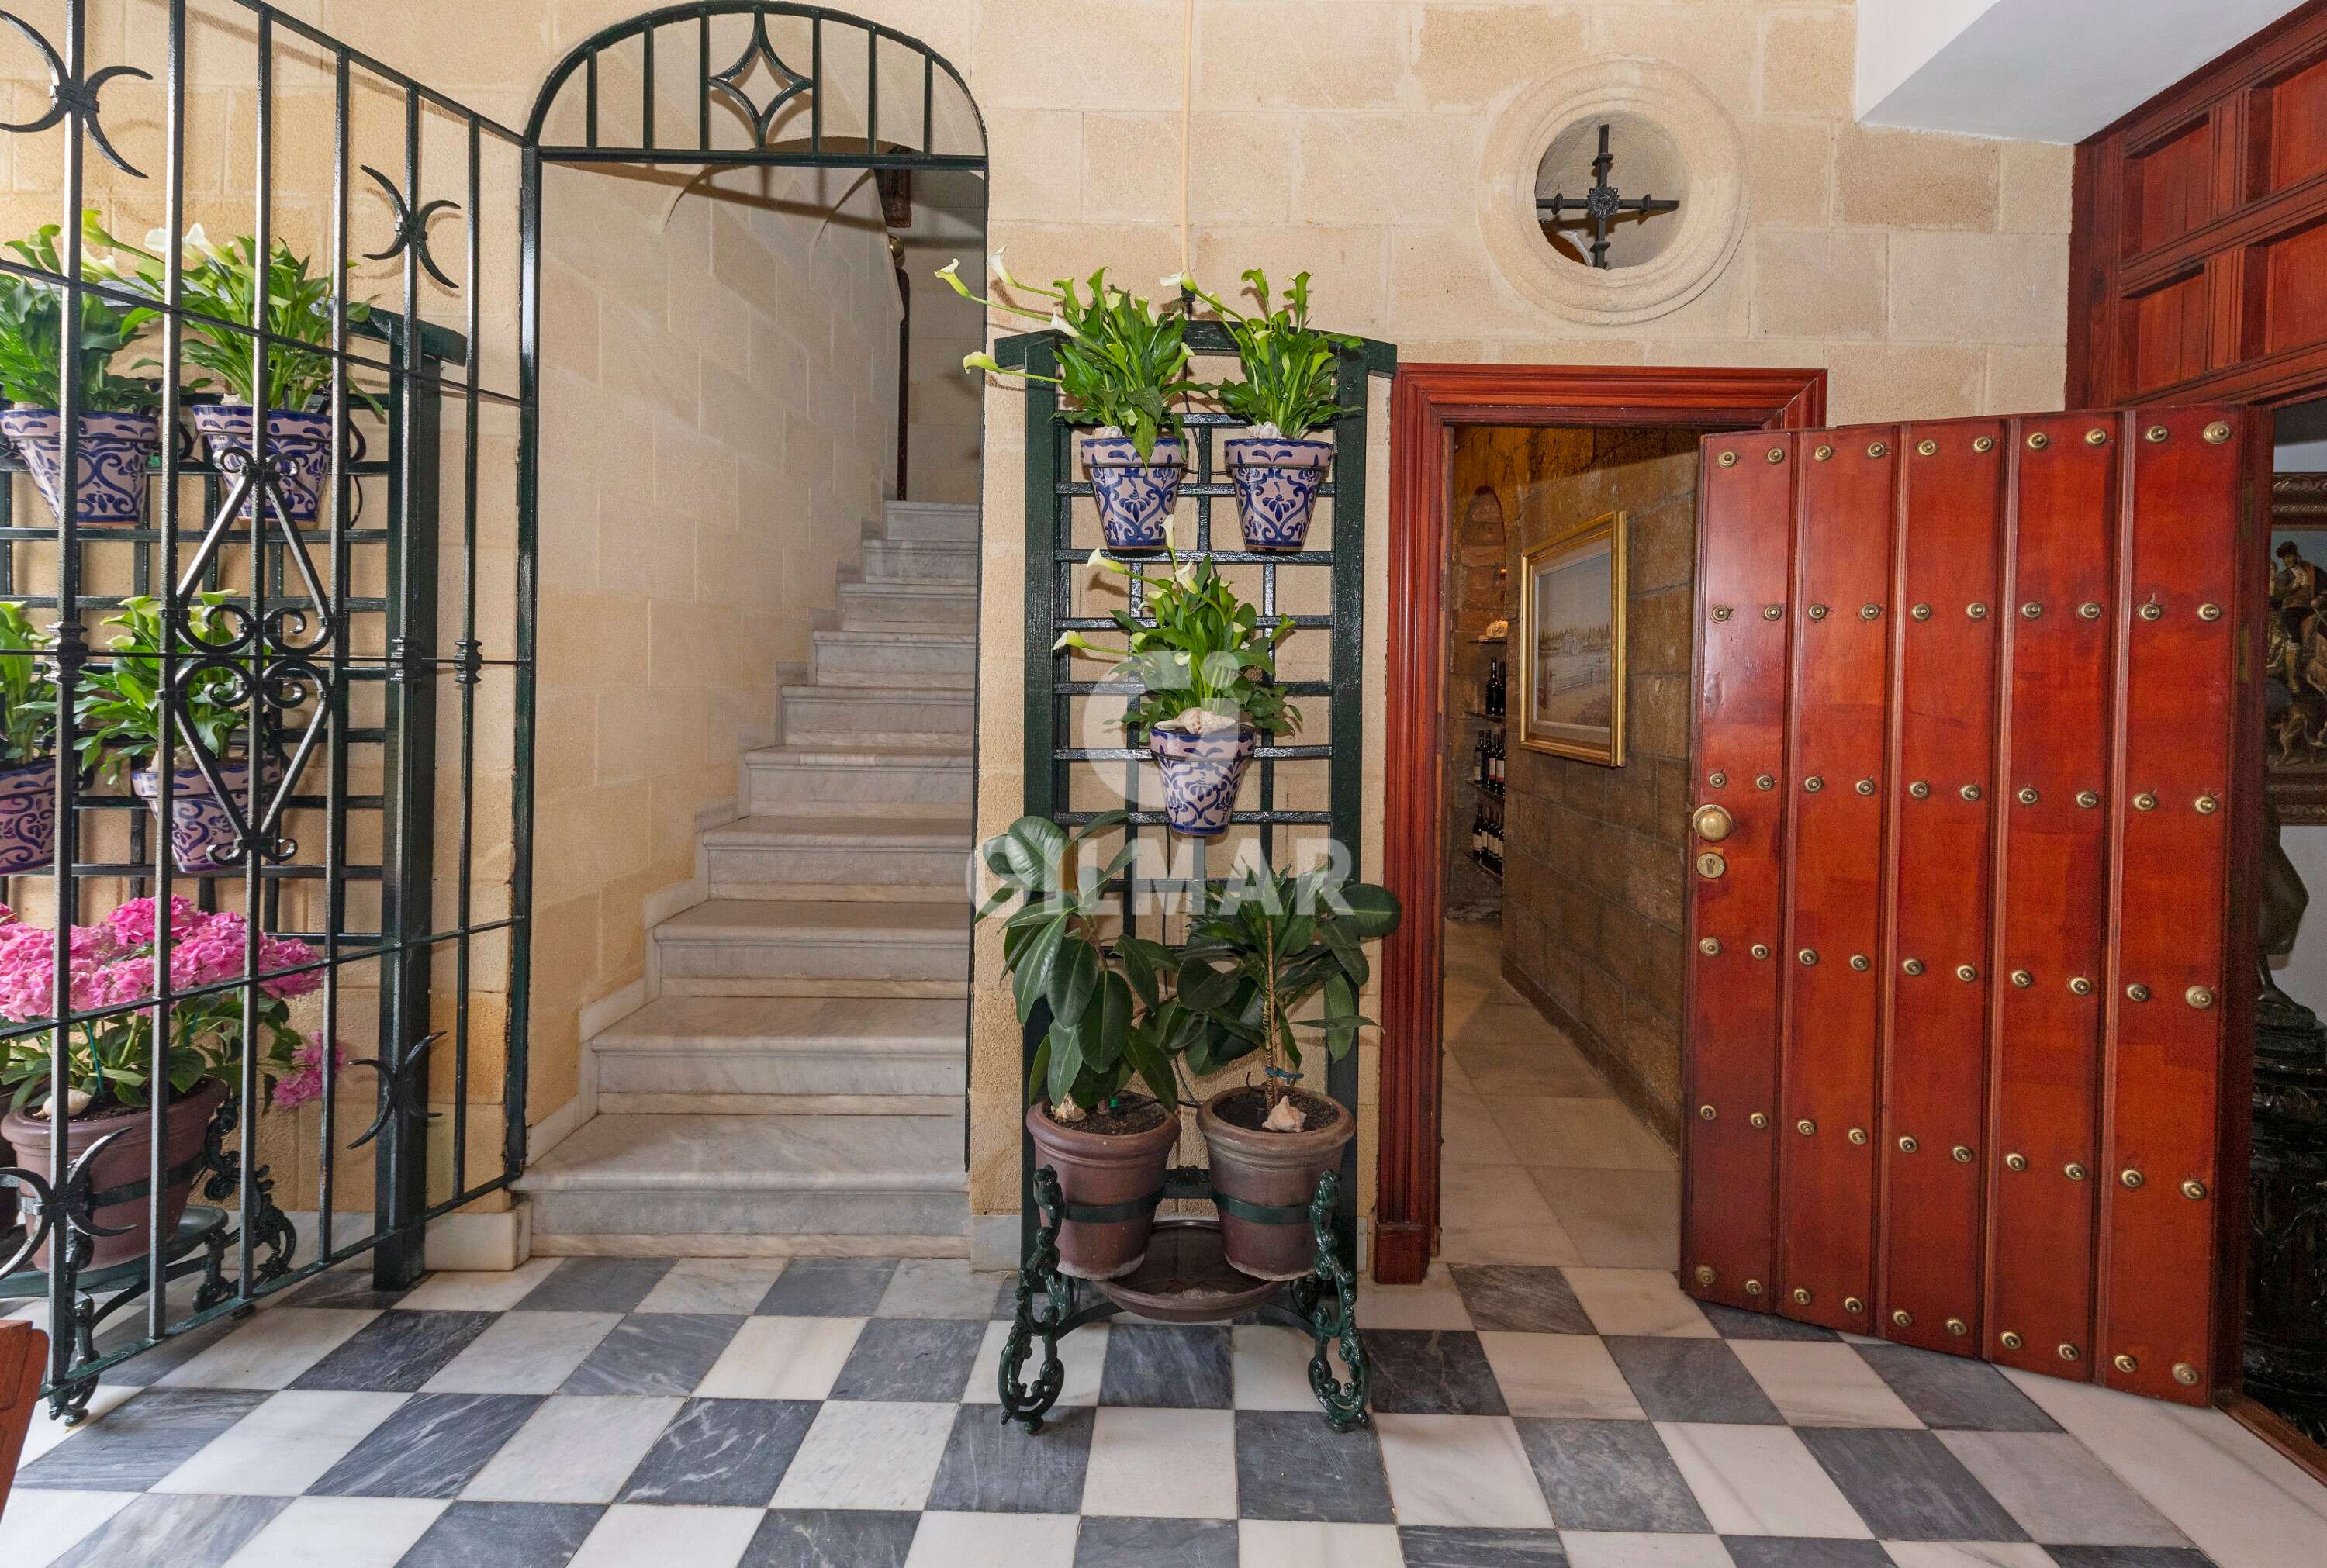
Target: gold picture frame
{"points": [[1571, 635]]}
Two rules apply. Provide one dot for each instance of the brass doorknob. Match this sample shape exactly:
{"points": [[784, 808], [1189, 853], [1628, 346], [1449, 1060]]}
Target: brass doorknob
{"points": [[1713, 824]]}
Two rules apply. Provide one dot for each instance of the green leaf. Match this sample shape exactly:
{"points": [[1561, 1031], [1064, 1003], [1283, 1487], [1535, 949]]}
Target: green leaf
{"points": [[1030, 851], [1066, 1063], [1154, 1068], [1035, 962], [1203, 987], [1374, 912], [1074, 980]]}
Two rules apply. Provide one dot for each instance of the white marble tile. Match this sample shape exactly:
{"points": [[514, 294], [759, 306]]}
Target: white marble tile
{"points": [[1271, 1369], [867, 1456], [1759, 1480], [523, 1353], [1290, 1544], [46, 1431], [1453, 1078], [1178, 1464], [1817, 1383], [38, 1527], [629, 1534], [731, 1286], [1434, 1303], [782, 1358], [994, 1541], [2051, 1484], [1470, 1135], [269, 1351], [1493, 1214], [340, 1532], [1082, 1354], [576, 1448], [284, 1446], [1639, 1301], [1967, 1555], [487, 1292], [1617, 1218], [1461, 1469], [939, 1287], [1569, 1375], [1618, 1549], [1592, 1134]]}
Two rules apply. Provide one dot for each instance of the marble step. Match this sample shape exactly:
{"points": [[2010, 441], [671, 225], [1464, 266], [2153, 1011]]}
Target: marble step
{"points": [[851, 1055], [840, 779], [907, 607], [949, 522], [916, 858], [873, 716], [920, 561], [868, 658], [745, 1183], [809, 947]]}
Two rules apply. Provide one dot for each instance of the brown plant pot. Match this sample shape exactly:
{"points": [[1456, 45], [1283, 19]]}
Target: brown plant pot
{"points": [[1099, 1169], [123, 1163], [1275, 1170]]}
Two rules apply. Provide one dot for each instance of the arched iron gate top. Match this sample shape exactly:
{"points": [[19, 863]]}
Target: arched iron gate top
{"points": [[764, 90]]}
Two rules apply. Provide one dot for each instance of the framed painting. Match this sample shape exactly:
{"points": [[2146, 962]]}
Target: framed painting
{"points": [[1572, 643], [2294, 749]]}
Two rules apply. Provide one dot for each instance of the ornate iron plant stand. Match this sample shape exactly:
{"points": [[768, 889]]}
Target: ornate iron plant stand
{"points": [[1186, 1280]]}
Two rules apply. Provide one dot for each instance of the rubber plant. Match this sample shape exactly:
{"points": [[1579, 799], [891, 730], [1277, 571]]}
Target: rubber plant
{"points": [[28, 728]]}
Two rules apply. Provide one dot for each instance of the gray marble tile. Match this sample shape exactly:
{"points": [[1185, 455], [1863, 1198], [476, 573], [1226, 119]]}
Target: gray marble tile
{"points": [[183, 1532], [992, 1467], [909, 1359], [1460, 1547], [1168, 1366], [152, 1434], [727, 1452], [433, 1446], [1431, 1372], [147, 1366], [832, 1538], [1519, 1298], [503, 1535], [596, 1284], [344, 1287], [1679, 1379], [396, 1352], [2130, 1557], [1290, 1465], [1608, 1475], [1804, 1552], [2060, 1491], [654, 1353], [829, 1287], [943, 1287], [1735, 1323], [1106, 1543], [1907, 1486], [1955, 1391]]}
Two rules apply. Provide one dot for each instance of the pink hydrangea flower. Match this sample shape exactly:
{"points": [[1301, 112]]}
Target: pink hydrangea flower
{"points": [[307, 1083]]}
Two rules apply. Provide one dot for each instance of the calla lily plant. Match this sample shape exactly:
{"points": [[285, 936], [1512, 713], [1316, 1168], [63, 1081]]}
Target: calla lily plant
{"points": [[1206, 661]]}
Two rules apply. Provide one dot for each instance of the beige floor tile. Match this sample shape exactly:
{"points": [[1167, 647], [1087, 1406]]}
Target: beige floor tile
{"points": [[1759, 1480], [1565, 1374], [1493, 1214], [1823, 1384], [1637, 1301], [1460, 1471], [1617, 1218], [1594, 1133], [1469, 1132], [1434, 1303]]}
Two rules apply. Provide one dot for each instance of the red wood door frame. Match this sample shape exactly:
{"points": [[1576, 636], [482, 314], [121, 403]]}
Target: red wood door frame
{"points": [[1426, 402]]}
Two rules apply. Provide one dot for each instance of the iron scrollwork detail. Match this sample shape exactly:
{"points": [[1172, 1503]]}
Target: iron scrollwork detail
{"points": [[1328, 1298], [412, 228], [72, 95], [729, 83], [1021, 1403], [269, 1228]]}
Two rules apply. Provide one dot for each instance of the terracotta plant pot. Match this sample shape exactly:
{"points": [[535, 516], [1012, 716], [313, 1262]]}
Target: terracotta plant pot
{"points": [[1099, 1170], [198, 818], [111, 462], [124, 1164], [1275, 1170], [1276, 482], [298, 443], [28, 818], [1201, 776], [1134, 496]]}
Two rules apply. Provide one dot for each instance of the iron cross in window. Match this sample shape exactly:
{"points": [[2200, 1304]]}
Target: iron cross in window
{"points": [[1600, 206]]}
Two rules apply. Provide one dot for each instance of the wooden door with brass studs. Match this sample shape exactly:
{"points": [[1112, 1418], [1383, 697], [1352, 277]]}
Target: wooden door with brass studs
{"points": [[1970, 902]]}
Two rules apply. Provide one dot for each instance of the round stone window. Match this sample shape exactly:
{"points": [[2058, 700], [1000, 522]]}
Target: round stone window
{"points": [[1592, 186]]}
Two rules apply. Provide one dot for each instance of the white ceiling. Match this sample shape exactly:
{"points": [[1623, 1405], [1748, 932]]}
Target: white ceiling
{"points": [[2045, 70]]}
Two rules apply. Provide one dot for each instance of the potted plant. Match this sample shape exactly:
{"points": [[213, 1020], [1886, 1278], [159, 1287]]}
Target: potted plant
{"points": [[1265, 948], [1109, 1022], [108, 1058], [28, 728], [223, 282], [1206, 663], [1288, 392], [1123, 363], [118, 432], [121, 714]]}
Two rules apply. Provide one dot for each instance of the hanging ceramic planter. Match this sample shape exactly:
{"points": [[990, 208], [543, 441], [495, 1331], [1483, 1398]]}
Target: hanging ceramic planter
{"points": [[1276, 482], [1200, 776], [199, 820], [28, 818], [298, 445], [112, 461], [1135, 495]]}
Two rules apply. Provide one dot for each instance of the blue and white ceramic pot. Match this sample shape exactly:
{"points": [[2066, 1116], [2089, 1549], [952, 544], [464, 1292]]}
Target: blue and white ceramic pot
{"points": [[1200, 775], [1277, 485], [1135, 495], [199, 820], [28, 818], [111, 462], [298, 446]]}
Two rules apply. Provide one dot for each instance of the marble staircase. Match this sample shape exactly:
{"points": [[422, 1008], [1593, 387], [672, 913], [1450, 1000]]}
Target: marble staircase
{"points": [[795, 1082]]}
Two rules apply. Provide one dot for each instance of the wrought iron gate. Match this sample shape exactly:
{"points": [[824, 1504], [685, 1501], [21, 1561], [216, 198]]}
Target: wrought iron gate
{"points": [[307, 637]]}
